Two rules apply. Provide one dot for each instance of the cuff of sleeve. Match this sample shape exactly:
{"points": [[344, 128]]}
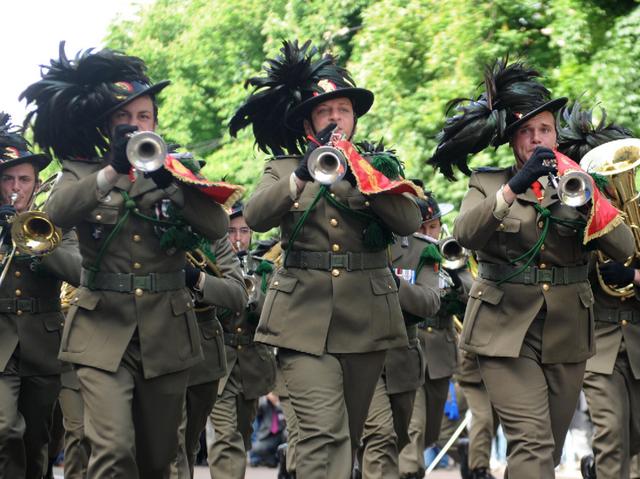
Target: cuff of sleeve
{"points": [[293, 187], [502, 207], [104, 184]]}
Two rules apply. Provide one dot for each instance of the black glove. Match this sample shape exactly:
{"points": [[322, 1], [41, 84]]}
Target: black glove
{"points": [[395, 277], [191, 275], [532, 170], [119, 159], [323, 137], [6, 213], [617, 273], [455, 277], [161, 177]]}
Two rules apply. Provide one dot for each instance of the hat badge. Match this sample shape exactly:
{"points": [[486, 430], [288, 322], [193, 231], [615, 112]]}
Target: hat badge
{"points": [[11, 153], [326, 86], [124, 90]]}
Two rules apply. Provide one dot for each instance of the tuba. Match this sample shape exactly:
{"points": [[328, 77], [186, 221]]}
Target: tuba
{"points": [[618, 160]]}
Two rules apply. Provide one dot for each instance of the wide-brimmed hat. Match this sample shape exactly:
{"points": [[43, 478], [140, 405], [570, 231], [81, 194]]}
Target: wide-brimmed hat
{"points": [[125, 92], [519, 118], [14, 149], [236, 210]]}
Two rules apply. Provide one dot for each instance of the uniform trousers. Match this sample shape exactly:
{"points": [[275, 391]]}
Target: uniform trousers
{"points": [[290, 420], [26, 406], [425, 425], [76, 445], [130, 421], [388, 420], [198, 404], [614, 406], [535, 403], [484, 424], [330, 395], [232, 418]]}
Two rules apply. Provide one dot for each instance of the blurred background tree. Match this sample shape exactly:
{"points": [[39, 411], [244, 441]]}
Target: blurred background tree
{"points": [[415, 55]]}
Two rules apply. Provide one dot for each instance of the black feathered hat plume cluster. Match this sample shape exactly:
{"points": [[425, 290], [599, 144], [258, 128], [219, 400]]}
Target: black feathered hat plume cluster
{"points": [[512, 95], [294, 82], [75, 97], [14, 149], [579, 135]]}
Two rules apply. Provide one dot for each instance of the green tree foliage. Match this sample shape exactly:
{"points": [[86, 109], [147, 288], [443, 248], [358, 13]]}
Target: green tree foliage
{"points": [[416, 55]]}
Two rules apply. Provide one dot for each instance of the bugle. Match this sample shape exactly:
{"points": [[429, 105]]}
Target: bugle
{"points": [[327, 165], [146, 151]]}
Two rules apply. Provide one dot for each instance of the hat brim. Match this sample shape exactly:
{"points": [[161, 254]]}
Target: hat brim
{"points": [[38, 160], [550, 106], [150, 91], [361, 98]]}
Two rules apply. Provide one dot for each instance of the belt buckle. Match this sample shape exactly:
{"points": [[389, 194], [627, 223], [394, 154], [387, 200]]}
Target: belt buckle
{"points": [[625, 316], [339, 261], [544, 275], [142, 282], [24, 305]]}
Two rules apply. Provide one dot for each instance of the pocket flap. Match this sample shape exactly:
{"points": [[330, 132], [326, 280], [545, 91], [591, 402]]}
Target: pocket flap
{"points": [[586, 297], [383, 285], [210, 329], [284, 283], [53, 322], [107, 215], [181, 302], [509, 225], [486, 293], [86, 299]]}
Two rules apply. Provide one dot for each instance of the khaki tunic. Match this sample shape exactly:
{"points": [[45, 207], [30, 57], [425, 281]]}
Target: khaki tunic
{"points": [[100, 323], [314, 311]]}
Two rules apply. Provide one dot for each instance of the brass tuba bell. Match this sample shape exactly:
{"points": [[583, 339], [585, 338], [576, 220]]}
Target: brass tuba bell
{"points": [[146, 151]]}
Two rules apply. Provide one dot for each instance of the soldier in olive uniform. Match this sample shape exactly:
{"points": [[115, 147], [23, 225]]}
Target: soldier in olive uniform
{"points": [[131, 330], [211, 290], [529, 317], [250, 371], [30, 318], [333, 309], [386, 431], [438, 339], [612, 378]]}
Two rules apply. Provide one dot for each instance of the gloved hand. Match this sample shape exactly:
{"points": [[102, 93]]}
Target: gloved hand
{"points": [[119, 142], [191, 275], [455, 277], [532, 170], [6, 213], [161, 177], [617, 273], [396, 279], [323, 137]]}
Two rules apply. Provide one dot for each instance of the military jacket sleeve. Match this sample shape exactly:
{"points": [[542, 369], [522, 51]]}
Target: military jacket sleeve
{"points": [[65, 261]]}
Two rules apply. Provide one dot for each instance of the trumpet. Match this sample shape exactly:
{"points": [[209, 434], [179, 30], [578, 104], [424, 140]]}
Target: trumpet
{"points": [[574, 188], [327, 165], [146, 151], [199, 260]]}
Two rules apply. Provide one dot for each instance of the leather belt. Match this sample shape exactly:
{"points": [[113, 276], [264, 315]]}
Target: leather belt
{"points": [[616, 316], [29, 305], [327, 261], [128, 282], [231, 339], [436, 323], [534, 275]]}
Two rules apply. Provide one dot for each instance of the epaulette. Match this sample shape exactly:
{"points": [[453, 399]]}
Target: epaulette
{"points": [[95, 159], [490, 169]]}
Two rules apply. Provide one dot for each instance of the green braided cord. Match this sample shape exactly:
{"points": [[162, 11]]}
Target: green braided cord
{"points": [[376, 236], [129, 205], [264, 269], [303, 218], [601, 181], [429, 255]]}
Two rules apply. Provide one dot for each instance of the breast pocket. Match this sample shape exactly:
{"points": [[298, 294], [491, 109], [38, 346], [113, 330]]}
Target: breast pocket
{"points": [[508, 239], [480, 318]]}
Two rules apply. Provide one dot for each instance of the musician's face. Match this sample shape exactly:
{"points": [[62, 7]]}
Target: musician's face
{"points": [[538, 131], [20, 180], [239, 234], [431, 228], [140, 113], [338, 111]]}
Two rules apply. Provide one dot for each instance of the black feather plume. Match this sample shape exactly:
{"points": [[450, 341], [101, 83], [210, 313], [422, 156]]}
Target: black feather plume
{"points": [[578, 135], [478, 123], [72, 97], [290, 78], [10, 135]]}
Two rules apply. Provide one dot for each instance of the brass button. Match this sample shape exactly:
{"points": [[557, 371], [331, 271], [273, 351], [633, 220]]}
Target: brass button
{"points": [[390, 287], [239, 330], [296, 205], [625, 322], [99, 217], [19, 312], [18, 292], [540, 224], [276, 283], [239, 347], [335, 273], [75, 299], [333, 195], [136, 238], [17, 274], [542, 248], [546, 286], [429, 329], [333, 222], [367, 204], [335, 248], [138, 292], [479, 293], [501, 227], [137, 265], [542, 266]]}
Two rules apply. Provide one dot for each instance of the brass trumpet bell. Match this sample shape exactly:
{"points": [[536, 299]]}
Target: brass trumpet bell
{"points": [[33, 233], [146, 151], [453, 254], [575, 188], [327, 165]]}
